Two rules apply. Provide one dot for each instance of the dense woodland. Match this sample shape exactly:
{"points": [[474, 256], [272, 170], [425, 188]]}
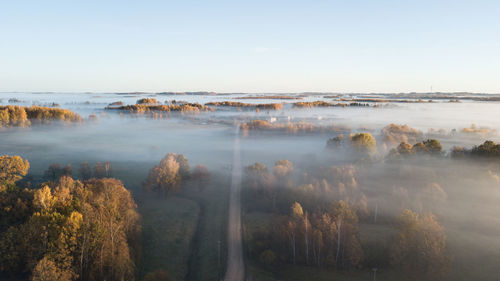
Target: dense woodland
{"points": [[66, 229]]}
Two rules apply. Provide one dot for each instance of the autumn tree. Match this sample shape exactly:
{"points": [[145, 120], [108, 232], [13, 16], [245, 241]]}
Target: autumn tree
{"points": [[260, 186], [292, 228], [348, 252], [364, 142], [405, 148], [394, 133], [320, 238], [283, 171], [258, 176], [47, 270], [419, 247], [487, 149], [67, 229], [168, 175], [12, 168], [430, 146]]}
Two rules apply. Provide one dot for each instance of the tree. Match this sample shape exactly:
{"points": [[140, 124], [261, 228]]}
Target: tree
{"points": [[4, 118], [430, 146], [283, 170], [165, 177], [12, 168], [43, 199], [69, 229], [184, 169], [419, 247], [256, 169], [394, 133], [296, 214], [47, 270], [348, 249], [54, 172], [296, 211], [67, 170], [258, 176], [110, 230], [102, 170], [99, 171], [487, 149], [335, 142], [85, 171], [433, 146], [405, 148], [364, 142]]}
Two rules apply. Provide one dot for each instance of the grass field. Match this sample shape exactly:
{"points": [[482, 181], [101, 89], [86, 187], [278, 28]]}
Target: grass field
{"points": [[208, 260], [181, 234], [169, 225]]}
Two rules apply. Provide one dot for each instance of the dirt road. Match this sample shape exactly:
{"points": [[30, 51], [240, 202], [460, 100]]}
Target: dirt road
{"points": [[235, 266]]}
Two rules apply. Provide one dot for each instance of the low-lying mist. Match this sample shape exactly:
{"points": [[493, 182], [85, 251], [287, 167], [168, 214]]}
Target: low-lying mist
{"points": [[332, 159]]}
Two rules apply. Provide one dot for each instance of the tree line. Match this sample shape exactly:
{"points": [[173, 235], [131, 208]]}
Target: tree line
{"points": [[315, 218], [23, 116], [66, 229]]}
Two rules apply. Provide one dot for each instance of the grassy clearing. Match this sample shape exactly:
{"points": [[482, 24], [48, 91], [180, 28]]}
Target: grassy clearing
{"points": [[212, 229], [169, 225], [181, 234]]}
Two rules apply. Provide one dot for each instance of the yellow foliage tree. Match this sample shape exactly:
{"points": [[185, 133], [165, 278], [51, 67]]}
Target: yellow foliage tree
{"points": [[12, 168]]}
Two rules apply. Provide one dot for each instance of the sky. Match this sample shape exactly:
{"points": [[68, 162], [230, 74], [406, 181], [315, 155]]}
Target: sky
{"points": [[250, 46]]}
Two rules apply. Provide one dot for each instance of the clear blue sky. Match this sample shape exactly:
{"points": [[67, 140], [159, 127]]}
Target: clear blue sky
{"points": [[250, 46]]}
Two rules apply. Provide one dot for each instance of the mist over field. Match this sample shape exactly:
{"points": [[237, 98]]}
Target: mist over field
{"points": [[346, 186]]}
